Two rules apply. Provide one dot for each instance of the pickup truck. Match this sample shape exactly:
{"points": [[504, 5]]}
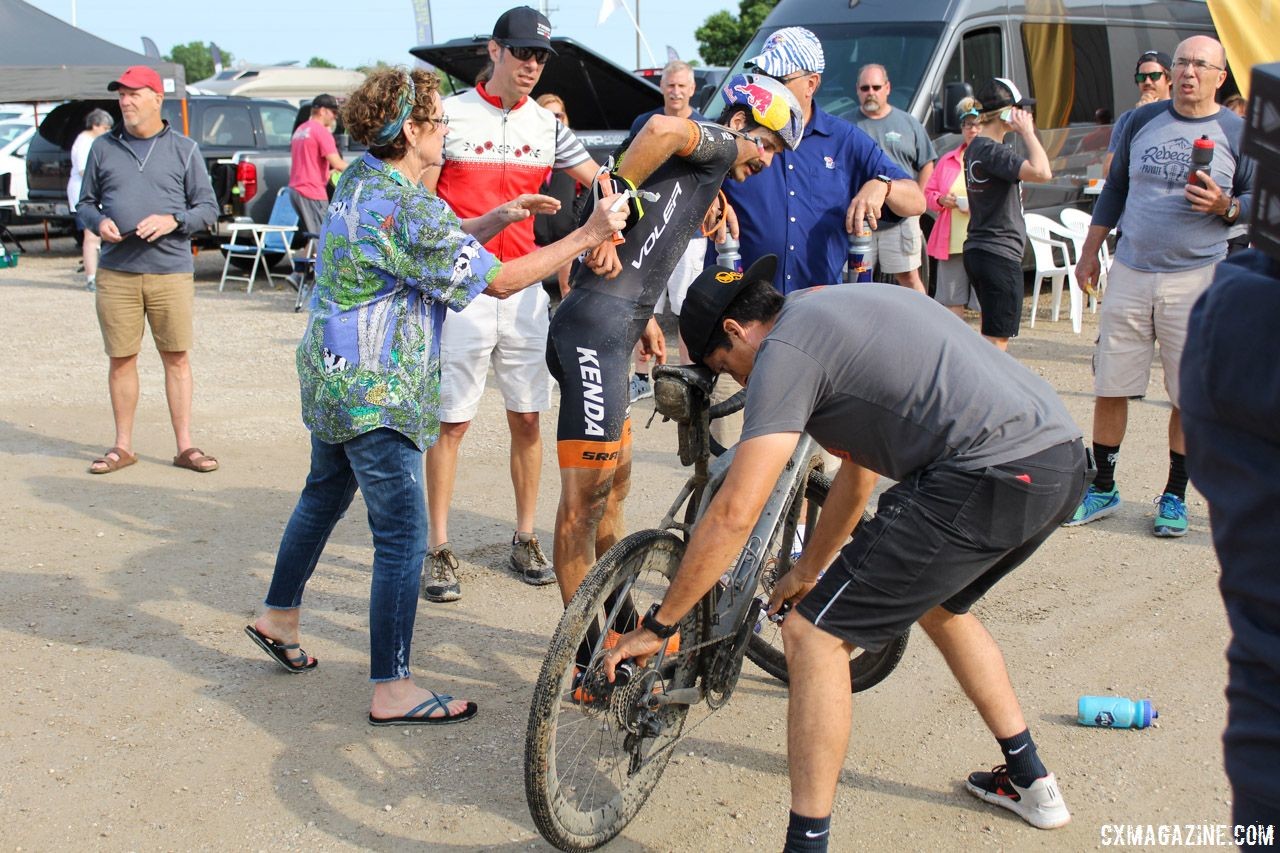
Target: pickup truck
{"points": [[228, 129]]}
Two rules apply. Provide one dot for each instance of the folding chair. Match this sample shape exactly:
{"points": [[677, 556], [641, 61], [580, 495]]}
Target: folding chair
{"points": [[275, 237], [304, 268], [1047, 244]]}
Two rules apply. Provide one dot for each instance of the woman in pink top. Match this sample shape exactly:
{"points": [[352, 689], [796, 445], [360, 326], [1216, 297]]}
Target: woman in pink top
{"points": [[945, 195]]}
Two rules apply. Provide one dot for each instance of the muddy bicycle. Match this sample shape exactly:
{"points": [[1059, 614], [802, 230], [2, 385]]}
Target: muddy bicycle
{"points": [[595, 750]]}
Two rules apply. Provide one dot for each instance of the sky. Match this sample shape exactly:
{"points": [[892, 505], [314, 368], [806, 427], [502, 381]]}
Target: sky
{"points": [[267, 31]]}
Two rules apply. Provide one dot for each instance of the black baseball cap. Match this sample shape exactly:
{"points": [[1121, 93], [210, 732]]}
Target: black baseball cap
{"points": [[1000, 92], [709, 296], [1166, 62], [328, 102], [523, 27]]}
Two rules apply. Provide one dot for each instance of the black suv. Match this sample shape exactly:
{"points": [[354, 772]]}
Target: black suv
{"points": [[222, 125]]}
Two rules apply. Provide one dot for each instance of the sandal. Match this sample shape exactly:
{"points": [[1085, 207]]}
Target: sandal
{"points": [[106, 465], [281, 652], [419, 716], [195, 459]]}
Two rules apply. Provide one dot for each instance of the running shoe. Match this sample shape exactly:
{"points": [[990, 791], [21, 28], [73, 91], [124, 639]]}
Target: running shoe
{"points": [[1096, 504], [440, 580], [1171, 516], [641, 388], [528, 561], [1039, 804]]}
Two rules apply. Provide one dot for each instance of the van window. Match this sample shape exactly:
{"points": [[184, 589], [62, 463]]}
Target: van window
{"points": [[980, 57], [904, 49], [226, 127], [1070, 72], [277, 123]]}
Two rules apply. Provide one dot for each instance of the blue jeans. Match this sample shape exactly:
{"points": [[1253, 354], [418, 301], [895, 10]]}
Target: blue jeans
{"points": [[387, 468]]}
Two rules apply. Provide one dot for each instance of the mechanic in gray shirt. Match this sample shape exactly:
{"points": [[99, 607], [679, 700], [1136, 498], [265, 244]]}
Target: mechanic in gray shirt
{"points": [[988, 464], [1176, 227], [145, 193], [896, 247]]}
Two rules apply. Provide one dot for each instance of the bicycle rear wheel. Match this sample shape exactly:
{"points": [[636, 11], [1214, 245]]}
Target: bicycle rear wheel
{"points": [[593, 751], [866, 669]]}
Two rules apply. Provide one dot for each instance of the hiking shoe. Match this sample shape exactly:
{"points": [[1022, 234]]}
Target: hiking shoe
{"points": [[641, 388], [1171, 516], [1040, 804], [440, 580], [1096, 504], [528, 561]]}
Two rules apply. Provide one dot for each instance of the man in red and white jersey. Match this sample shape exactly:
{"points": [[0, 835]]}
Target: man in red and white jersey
{"points": [[501, 145]]}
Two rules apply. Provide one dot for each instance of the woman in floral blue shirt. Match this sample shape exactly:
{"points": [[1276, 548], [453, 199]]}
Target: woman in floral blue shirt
{"points": [[392, 258]]}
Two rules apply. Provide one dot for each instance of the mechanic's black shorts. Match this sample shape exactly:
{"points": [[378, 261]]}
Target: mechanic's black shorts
{"points": [[589, 354], [943, 537], [998, 282]]}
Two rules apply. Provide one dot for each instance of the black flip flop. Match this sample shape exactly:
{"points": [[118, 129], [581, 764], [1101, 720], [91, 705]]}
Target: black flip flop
{"points": [[279, 652], [437, 701]]}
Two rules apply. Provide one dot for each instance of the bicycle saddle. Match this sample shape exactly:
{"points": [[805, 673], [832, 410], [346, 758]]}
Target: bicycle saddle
{"points": [[693, 375]]}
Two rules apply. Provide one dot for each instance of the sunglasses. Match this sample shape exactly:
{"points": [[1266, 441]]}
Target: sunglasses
{"points": [[870, 88], [524, 54], [1151, 76]]}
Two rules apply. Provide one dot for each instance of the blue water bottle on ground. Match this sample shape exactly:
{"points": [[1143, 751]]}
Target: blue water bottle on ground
{"points": [[857, 269], [1115, 712]]}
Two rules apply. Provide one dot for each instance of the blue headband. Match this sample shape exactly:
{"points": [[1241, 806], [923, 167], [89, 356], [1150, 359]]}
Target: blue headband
{"points": [[392, 129]]}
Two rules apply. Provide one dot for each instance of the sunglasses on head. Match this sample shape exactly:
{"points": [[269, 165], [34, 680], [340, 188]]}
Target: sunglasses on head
{"points": [[524, 54], [866, 87], [1152, 76]]}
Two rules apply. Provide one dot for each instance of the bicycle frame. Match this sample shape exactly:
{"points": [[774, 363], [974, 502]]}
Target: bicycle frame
{"points": [[733, 602]]}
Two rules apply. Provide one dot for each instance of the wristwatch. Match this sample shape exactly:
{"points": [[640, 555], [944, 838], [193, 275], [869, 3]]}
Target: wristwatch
{"points": [[180, 218], [888, 184], [1233, 211], [651, 624]]}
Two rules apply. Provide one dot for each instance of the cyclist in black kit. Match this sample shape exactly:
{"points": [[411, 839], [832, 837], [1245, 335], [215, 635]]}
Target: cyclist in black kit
{"points": [[596, 326]]}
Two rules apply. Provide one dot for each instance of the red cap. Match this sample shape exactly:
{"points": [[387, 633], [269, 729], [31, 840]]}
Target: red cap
{"points": [[138, 77]]}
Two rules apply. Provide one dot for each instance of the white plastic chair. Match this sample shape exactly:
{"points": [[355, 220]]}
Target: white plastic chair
{"points": [[1077, 220], [1050, 244]]}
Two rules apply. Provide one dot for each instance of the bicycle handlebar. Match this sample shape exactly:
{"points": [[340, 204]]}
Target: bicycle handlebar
{"points": [[728, 407]]}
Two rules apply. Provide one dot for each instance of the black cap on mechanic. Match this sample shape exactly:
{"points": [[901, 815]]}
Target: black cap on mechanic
{"points": [[709, 297]]}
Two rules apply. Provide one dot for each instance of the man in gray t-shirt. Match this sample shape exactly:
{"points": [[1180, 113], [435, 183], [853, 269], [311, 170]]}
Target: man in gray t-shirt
{"points": [[1176, 227], [896, 247], [988, 464]]}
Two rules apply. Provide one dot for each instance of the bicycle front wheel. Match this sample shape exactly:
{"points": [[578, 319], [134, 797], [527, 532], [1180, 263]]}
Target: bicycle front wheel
{"points": [[866, 669], [593, 751]]}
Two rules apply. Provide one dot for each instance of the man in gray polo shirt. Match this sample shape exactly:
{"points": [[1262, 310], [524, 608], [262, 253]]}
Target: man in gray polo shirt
{"points": [[987, 462], [896, 247], [145, 193]]}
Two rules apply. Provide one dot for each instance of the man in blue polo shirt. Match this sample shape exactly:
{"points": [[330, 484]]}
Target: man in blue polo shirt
{"points": [[802, 211]]}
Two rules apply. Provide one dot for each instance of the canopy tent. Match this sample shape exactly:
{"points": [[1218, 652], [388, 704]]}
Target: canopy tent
{"points": [[43, 58]]}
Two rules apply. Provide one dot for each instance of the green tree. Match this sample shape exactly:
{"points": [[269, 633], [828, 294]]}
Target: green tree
{"points": [[197, 59], [722, 36], [318, 62]]}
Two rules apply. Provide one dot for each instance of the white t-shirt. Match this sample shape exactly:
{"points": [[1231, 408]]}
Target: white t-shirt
{"points": [[79, 160]]}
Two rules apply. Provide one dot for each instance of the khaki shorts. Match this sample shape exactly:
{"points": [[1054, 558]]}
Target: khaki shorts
{"points": [[1141, 308], [509, 334], [125, 299], [897, 247]]}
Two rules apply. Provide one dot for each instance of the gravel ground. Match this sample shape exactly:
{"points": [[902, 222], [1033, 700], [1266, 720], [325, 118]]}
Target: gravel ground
{"points": [[139, 717]]}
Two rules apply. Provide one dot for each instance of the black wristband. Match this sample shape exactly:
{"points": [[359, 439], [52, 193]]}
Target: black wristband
{"points": [[651, 624]]}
